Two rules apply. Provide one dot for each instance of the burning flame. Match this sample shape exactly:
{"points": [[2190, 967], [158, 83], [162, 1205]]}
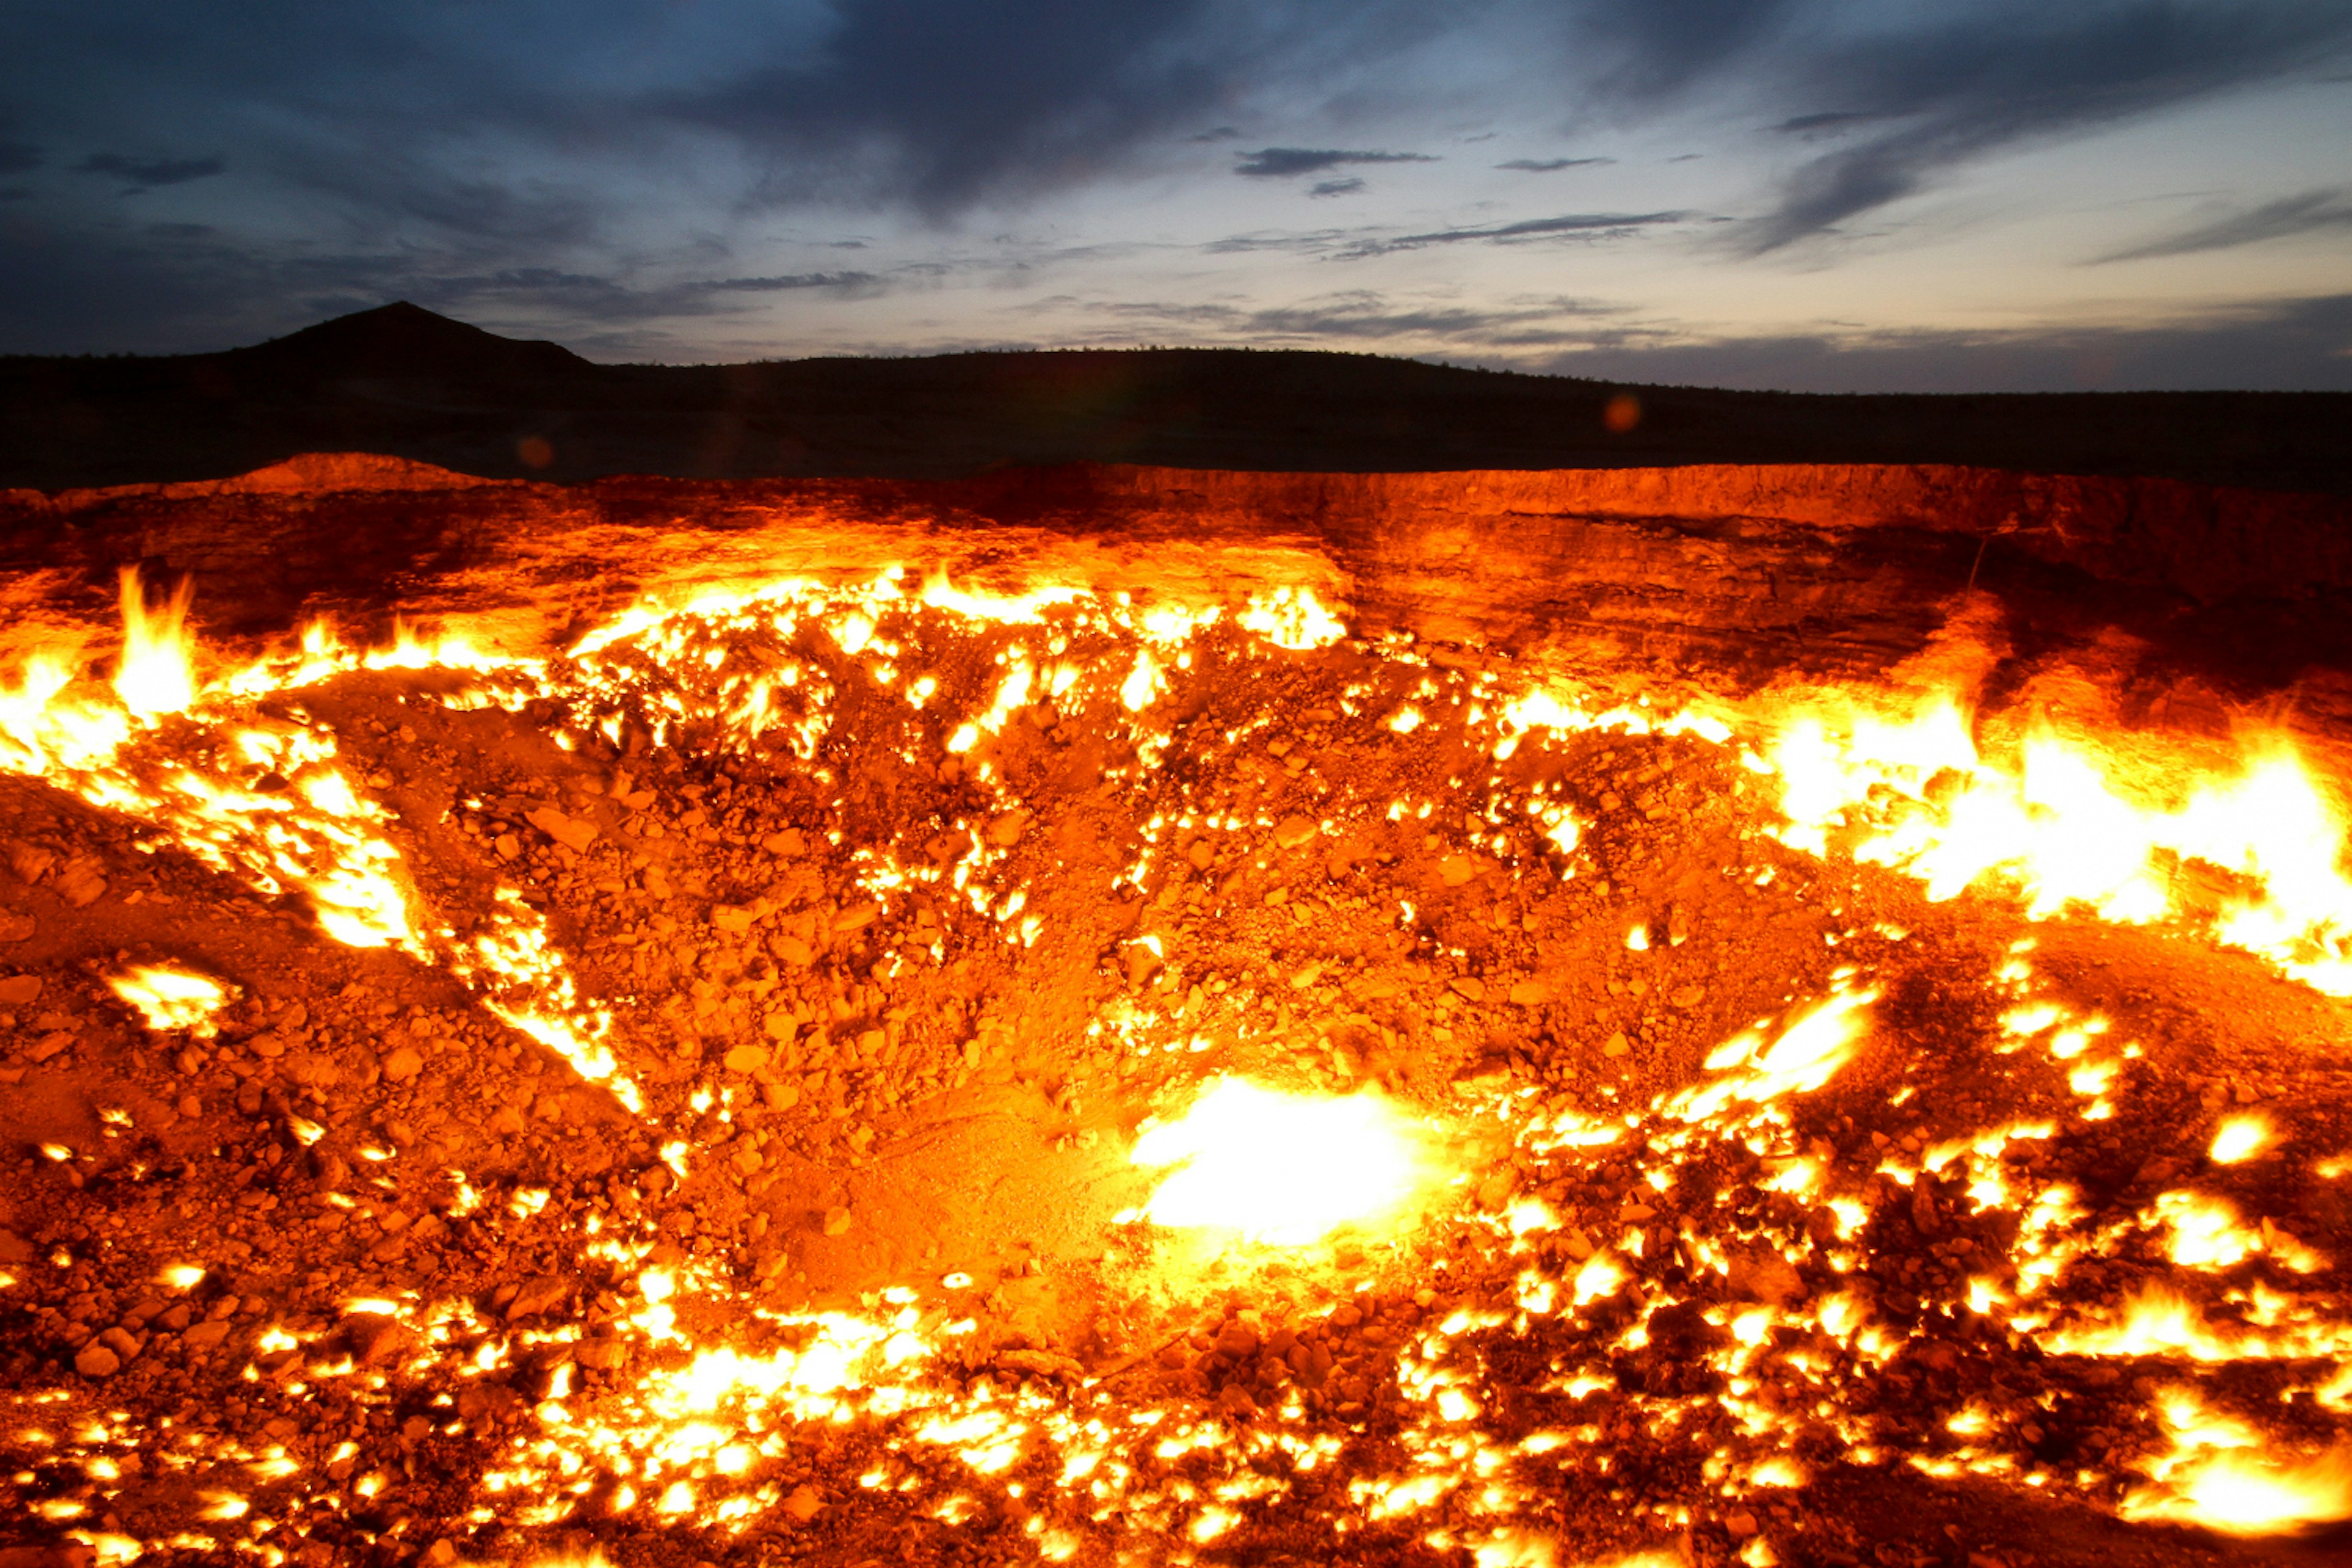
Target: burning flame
{"points": [[156, 676], [1284, 1170], [170, 998], [2223, 1475], [2239, 1139], [2070, 824]]}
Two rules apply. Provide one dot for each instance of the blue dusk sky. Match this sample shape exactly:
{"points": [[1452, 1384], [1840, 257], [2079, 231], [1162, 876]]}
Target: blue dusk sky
{"points": [[1817, 194]]}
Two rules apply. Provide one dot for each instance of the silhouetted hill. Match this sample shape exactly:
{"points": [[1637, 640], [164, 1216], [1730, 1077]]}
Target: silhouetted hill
{"points": [[403, 340], [404, 380]]}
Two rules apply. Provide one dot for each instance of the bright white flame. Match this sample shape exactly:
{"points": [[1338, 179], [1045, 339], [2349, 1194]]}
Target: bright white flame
{"points": [[2240, 1138], [1283, 1169]]}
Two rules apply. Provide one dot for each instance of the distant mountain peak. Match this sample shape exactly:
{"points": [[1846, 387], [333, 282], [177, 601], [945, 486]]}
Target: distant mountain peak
{"points": [[407, 340]]}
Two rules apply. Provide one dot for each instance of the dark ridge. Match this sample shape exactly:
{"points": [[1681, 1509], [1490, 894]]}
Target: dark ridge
{"points": [[403, 381]]}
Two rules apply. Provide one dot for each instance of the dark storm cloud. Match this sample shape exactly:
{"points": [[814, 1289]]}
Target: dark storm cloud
{"points": [[1977, 81], [1549, 165], [1285, 162], [947, 103], [1663, 47], [2313, 212], [146, 173]]}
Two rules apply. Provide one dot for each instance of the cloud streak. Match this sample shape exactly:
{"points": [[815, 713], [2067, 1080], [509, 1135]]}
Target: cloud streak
{"points": [[146, 173], [2312, 211], [1283, 163], [1587, 227], [1976, 83]]}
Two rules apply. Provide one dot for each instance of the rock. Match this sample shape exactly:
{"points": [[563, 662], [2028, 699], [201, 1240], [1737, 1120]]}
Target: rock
{"points": [[602, 1355], [1740, 1524], [1762, 1274], [83, 882], [19, 990], [1005, 831], [375, 1338], [836, 1222], [788, 842], [1041, 1364], [508, 846], [1237, 1340], [569, 832], [780, 1096], [1293, 831], [205, 1335], [1203, 854], [1615, 1044], [1307, 975], [1688, 996], [15, 1248], [747, 1059], [1923, 1208], [732, 919], [97, 1361], [50, 1044], [440, 1554], [401, 1064], [1457, 870], [857, 917], [539, 1294], [792, 949], [17, 928], [1469, 986], [803, 1504], [1529, 994]]}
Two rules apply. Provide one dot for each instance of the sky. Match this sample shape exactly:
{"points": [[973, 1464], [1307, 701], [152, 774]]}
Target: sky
{"points": [[1814, 194]]}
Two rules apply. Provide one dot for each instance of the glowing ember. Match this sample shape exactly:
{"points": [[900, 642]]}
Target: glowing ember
{"points": [[1284, 1170]]}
